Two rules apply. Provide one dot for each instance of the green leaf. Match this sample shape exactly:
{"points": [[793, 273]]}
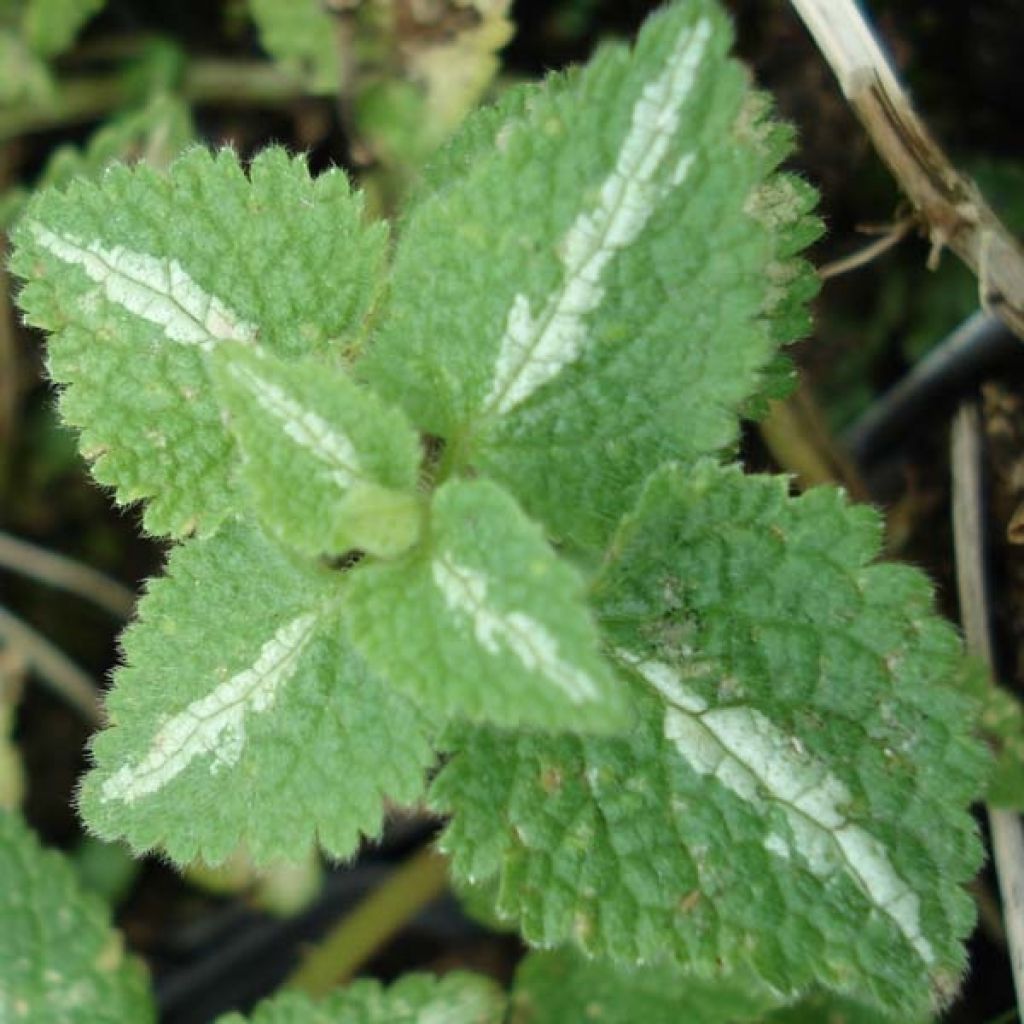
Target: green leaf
{"points": [[24, 76], [50, 26], [243, 715], [457, 998], [139, 277], [1002, 725], [155, 134], [794, 796], [563, 985], [328, 466], [826, 1008], [484, 621], [620, 303], [61, 962], [303, 35]]}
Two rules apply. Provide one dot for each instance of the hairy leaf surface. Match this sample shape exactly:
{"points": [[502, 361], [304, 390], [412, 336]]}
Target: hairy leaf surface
{"points": [[553, 987], [243, 715], [60, 960], [485, 621], [141, 276], [550, 331], [329, 467], [794, 797], [457, 998]]}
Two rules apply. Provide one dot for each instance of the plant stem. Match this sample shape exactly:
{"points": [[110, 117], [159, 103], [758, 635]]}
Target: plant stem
{"points": [[798, 436], [950, 206], [380, 916], [969, 544], [54, 667], [205, 82], [65, 573]]}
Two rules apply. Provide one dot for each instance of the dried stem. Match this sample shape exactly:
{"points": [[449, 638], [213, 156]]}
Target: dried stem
{"points": [[951, 208], [54, 667], [969, 542], [65, 573]]}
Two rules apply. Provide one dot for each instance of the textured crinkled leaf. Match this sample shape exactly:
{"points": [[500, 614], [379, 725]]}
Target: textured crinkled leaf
{"points": [[795, 795], [61, 962], [304, 35], [550, 330], [563, 985], [243, 715], [140, 276], [317, 449], [828, 1008], [484, 621], [457, 998], [50, 26]]}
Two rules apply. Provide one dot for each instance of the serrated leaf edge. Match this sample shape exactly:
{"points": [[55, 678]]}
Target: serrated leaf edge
{"points": [[214, 724]]}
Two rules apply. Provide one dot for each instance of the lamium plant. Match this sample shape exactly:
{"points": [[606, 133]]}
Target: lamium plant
{"points": [[456, 520]]}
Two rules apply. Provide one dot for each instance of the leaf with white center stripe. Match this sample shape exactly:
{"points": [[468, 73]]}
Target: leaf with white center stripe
{"points": [[795, 798], [484, 621], [141, 276], [243, 715], [547, 331], [329, 467]]}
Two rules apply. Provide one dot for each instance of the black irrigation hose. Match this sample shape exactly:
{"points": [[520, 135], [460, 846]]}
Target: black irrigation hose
{"points": [[980, 347]]}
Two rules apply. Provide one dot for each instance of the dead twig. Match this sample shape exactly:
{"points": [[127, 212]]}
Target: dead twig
{"points": [[53, 666], [969, 544], [65, 573], [866, 254], [950, 206]]}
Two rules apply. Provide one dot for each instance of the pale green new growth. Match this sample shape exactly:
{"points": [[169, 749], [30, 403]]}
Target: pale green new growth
{"points": [[608, 312], [60, 960], [243, 714], [140, 277], [457, 998], [50, 26], [155, 133], [780, 805], [484, 621], [316, 449], [302, 34]]}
